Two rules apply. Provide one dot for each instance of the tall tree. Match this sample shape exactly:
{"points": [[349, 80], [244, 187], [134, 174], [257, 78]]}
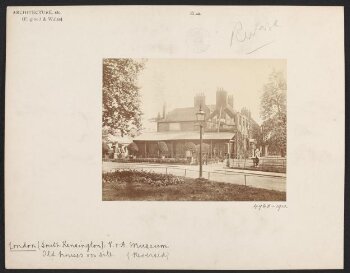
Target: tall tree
{"points": [[121, 98], [274, 113]]}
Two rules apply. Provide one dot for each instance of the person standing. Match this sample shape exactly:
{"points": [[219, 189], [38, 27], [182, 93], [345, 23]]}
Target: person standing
{"points": [[189, 156], [257, 156], [206, 159]]}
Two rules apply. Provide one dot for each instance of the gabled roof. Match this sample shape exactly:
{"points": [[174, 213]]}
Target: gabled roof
{"points": [[228, 109], [185, 114], [181, 114]]}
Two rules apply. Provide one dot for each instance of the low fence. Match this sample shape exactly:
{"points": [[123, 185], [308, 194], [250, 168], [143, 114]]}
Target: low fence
{"points": [[272, 164], [153, 160], [269, 164], [271, 182], [181, 161]]}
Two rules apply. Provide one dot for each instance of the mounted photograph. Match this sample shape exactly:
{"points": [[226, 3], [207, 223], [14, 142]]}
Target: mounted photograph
{"points": [[194, 129]]}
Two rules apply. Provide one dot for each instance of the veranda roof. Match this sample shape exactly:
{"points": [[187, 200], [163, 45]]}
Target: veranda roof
{"points": [[161, 136]]}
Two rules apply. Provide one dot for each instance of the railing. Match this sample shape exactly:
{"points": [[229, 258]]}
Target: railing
{"points": [[266, 181], [265, 164], [270, 164], [182, 161]]}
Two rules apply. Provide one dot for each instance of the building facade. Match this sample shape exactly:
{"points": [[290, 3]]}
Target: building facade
{"points": [[226, 131]]}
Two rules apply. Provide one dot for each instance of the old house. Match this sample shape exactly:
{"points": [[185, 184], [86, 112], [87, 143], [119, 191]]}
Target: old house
{"points": [[226, 130]]}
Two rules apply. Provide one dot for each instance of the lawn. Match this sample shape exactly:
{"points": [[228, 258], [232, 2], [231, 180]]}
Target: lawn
{"points": [[138, 186]]}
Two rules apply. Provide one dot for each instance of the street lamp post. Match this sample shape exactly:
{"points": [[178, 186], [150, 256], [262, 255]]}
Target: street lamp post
{"points": [[200, 118]]}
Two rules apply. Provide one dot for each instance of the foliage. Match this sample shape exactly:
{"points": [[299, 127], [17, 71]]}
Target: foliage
{"points": [[133, 148], [205, 148], [126, 185], [255, 132], [242, 151], [121, 98], [162, 147], [142, 177], [105, 148], [158, 160], [273, 101], [274, 113], [246, 153], [190, 146]]}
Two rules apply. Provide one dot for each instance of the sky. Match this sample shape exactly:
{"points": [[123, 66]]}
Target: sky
{"points": [[176, 81]]}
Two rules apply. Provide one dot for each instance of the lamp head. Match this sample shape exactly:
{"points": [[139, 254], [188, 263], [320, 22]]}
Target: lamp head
{"points": [[200, 114]]}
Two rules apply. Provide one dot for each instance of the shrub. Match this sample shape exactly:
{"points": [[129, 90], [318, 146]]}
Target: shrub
{"points": [[141, 177], [153, 160], [205, 148], [190, 146], [105, 148], [132, 148]]}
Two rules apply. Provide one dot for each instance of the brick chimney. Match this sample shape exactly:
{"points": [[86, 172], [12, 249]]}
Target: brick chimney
{"points": [[199, 99], [221, 98]]}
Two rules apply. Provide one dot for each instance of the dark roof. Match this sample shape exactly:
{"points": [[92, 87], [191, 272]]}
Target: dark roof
{"points": [[185, 114], [181, 114]]}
